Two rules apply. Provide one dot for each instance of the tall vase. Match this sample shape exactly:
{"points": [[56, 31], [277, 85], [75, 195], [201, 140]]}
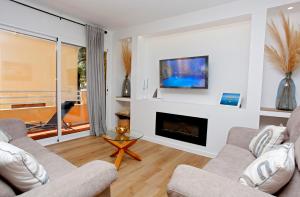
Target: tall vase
{"points": [[286, 99], [126, 87]]}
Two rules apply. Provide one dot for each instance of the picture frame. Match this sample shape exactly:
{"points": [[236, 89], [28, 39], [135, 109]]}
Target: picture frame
{"points": [[231, 99]]}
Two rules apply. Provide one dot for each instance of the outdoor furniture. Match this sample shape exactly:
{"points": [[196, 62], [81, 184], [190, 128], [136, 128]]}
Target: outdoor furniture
{"points": [[52, 122]]}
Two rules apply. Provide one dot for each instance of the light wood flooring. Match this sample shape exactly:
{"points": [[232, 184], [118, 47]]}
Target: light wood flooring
{"points": [[146, 178]]}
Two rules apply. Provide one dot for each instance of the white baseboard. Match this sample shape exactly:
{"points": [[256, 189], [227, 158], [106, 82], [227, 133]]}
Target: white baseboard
{"points": [[179, 147], [54, 140]]}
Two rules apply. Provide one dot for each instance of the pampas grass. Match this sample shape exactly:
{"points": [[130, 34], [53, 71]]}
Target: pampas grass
{"points": [[286, 55], [126, 57]]}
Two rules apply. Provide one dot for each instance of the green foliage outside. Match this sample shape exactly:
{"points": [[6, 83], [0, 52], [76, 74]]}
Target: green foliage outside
{"points": [[82, 67]]}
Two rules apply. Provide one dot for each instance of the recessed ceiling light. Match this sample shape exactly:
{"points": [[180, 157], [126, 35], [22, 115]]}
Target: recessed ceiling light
{"points": [[290, 8]]}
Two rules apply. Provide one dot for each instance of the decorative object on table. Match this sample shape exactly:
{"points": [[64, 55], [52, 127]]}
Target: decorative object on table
{"points": [[124, 119], [121, 130], [126, 57], [285, 56], [231, 99]]}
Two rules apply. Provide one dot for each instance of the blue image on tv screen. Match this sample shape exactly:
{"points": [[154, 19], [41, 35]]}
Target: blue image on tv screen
{"points": [[184, 72]]}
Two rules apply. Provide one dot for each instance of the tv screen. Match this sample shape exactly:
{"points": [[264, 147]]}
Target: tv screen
{"points": [[190, 72]]}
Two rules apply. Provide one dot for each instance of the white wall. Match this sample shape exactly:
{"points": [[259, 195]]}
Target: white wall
{"points": [[180, 36], [228, 51]]}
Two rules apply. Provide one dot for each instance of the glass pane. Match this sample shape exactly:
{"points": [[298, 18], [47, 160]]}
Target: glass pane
{"points": [[74, 94], [27, 82]]}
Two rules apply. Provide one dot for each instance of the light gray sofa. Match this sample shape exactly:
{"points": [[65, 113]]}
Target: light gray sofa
{"points": [[91, 179], [219, 178]]}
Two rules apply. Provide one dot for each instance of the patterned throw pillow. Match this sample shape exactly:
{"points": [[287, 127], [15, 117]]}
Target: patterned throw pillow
{"points": [[20, 168], [268, 137], [272, 170], [5, 137]]}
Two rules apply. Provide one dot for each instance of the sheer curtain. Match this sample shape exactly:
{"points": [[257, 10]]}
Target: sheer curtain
{"points": [[96, 80]]}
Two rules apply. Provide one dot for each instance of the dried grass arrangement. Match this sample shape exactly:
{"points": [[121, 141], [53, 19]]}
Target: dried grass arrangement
{"points": [[126, 57], [286, 52]]}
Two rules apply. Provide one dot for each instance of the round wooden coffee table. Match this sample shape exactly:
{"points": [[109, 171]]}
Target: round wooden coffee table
{"points": [[122, 142]]}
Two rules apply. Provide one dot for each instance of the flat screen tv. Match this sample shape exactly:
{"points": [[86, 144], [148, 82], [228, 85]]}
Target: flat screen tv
{"points": [[189, 72]]}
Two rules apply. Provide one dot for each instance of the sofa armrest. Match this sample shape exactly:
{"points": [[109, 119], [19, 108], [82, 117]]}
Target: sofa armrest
{"points": [[241, 136], [86, 181], [188, 181], [14, 127]]}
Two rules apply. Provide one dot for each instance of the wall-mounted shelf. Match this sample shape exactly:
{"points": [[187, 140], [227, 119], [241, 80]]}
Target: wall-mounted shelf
{"points": [[122, 99], [270, 112]]}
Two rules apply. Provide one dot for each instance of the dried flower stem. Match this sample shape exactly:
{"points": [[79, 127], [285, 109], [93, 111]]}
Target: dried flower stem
{"points": [[126, 57], [287, 56]]}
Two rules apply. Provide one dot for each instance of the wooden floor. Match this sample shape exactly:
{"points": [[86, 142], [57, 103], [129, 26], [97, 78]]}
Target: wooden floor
{"points": [[145, 178]]}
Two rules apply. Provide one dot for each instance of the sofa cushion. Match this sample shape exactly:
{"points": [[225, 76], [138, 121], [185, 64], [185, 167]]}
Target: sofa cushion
{"points": [[292, 188], [5, 189], [268, 137], [293, 125], [29, 145], [20, 168], [272, 170], [230, 162], [54, 165], [188, 181], [15, 128], [297, 152]]}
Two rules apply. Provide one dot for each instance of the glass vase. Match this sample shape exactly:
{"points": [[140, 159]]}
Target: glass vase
{"points": [[126, 87], [286, 99]]}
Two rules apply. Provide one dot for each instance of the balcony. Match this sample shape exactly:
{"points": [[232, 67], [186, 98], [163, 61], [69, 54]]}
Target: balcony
{"points": [[38, 107]]}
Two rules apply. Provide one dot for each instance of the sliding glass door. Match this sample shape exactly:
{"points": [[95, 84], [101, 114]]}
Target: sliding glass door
{"points": [[43, 82], [73, 89], [28, 82]]}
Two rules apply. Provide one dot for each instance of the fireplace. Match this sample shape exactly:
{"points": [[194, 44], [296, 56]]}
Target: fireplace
{"points": [[183, 128]]}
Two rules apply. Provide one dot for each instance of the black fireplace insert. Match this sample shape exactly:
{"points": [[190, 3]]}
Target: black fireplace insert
{"points": [[183, 128]]}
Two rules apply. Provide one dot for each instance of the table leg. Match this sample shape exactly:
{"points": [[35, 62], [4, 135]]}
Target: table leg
{"points": [[119, 158], [122, 149], [115, 153], [133, 155]]}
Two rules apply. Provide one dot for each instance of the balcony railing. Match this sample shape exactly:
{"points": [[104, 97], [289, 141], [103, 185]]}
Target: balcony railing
{"points": [[40, 106], [9, 98]]}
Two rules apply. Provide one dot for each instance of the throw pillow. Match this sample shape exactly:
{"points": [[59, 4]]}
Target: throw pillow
{"points": [[20, 168], [272, 170], [297, 152], [268, 137], [5, 137]]}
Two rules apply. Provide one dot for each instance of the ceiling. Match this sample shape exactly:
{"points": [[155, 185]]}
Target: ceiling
{"points": [[117, 14]]}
